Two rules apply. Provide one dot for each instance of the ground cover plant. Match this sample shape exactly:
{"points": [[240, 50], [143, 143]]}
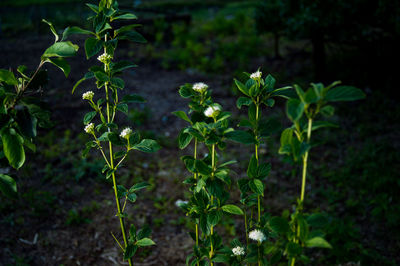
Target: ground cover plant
{"points": [[290, 175]]}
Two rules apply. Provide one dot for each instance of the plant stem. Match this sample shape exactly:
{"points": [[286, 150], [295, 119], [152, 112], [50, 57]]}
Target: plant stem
{"points": [[303, 182], [212, 199], [121, 220], [256, 153], [245, 228], [305, 159], [195, 177]]}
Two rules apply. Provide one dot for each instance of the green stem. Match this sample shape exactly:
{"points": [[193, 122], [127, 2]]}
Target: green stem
{"points": [[212, 200], [245, 228], [195, 177], [256, 152], [121, 220], [303, 182]]}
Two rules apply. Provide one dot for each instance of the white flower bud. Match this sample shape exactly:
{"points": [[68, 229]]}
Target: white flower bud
{"points": [[179, 203], [256, 75], [88, 95], [200, 87], [238, 251], [213, 110], [126, 133], [89, 128], [257, 235], [104, 58]]}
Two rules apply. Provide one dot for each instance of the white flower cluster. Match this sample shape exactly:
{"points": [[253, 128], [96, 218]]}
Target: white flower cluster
{"points": [[104, 58], [257, 235], [238, 251], [88, 95], [126, 133], [89, 128], [179, 203], [256, 75], [200, 87], [213, 110]]}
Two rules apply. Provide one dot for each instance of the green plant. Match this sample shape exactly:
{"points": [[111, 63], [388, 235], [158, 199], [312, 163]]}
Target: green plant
{"points": [[258, 92], [210, 180], [296, 143], [105, 37], [21, 112]]}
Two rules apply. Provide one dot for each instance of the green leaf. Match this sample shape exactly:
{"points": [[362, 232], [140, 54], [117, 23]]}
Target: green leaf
{"points": [[92, 47], [319, 124], [252, 167], [243, 101], [101, 76], [133, 98], [122, 107], [294, 109], [26, 123], [184, 139], [139, 186], [13, 147], [118, 82], [132, 197], [242, 87], [327, 110], [182, 115], [240, 136], [147, 145], [257, 186], [75, 30], [61, 63], [317, 242], [213, 217], [145, 242], [125, 16], [279, 225], [202, 167], [186, 91], [144, 232], [53, 30], [270, 82], [89, 117], [285, 92], [122, 65], [61, 49], [130, 251], [8, 77], [344, 93], [233, 209], [8, 186], [132, 36]]}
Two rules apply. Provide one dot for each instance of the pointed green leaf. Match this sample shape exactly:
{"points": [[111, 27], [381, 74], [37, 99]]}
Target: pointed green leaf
{"points": [[13, 147], [317, 242], [147, 145], [344, 93], [144, 242], [8, 186], [233, 209]]}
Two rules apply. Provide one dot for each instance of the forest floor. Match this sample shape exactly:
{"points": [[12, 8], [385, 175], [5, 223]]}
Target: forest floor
{"points": [[66, 210]]}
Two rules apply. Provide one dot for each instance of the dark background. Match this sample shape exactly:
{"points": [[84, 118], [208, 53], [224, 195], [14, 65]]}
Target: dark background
{"points": [[65, 210]]}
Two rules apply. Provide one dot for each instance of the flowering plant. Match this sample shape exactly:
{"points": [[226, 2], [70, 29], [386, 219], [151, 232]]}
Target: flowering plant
{"points": [[209, 125], [21, 113], [105, 132]]}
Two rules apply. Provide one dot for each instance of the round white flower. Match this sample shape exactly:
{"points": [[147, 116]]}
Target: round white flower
{"points": [[256, 75], [126, 133], [89, 128], [104, 57], [88, 95], [200, 87], [179, 203], [238, 251], [257, 235], [213, 110]]}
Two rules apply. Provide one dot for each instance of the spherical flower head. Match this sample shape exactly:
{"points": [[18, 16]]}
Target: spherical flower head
{"points": [[238, 251], [257, 235], [256, 75], [88, 95], [200, 87], [104, 58], [213, 110], [179, 203], [126, 133], [89, 128]]}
